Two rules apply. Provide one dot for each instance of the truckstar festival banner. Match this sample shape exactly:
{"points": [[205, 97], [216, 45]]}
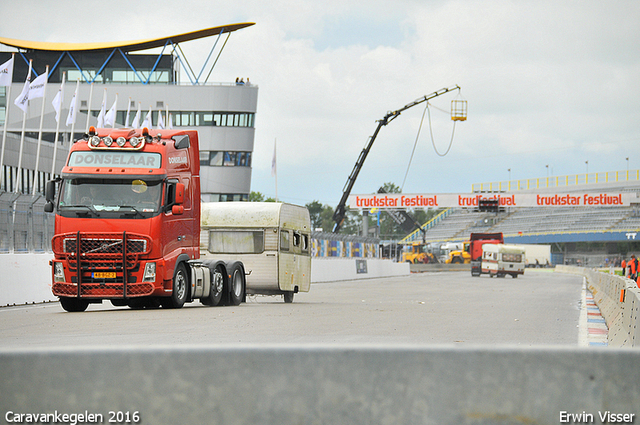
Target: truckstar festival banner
{"points": [[466, 200]]}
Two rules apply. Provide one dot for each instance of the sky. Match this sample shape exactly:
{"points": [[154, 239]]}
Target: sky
{"points": [[552, 87]]}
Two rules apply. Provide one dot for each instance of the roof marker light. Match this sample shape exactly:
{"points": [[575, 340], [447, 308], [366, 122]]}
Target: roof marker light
{"points": [[120, 141], [108, 141]]}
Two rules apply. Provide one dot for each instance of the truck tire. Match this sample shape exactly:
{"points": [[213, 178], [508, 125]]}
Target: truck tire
{"points": [[73, 304], [457, 260], [180, 288], [236, 284], [217, 287]]}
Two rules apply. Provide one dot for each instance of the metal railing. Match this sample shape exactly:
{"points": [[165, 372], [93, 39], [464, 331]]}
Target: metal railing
{"points": [[557, 181], [24, 226]]}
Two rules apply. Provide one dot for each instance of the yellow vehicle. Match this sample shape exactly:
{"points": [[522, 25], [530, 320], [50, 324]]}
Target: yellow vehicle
{"points": [[459, 254], [418, 252]]}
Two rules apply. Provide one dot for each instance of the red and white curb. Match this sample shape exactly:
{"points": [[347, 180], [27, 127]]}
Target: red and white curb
{"points": [[593, 328]]}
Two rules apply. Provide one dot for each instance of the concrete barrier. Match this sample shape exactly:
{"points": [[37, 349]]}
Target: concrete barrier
{"points": [[26, 278], [439, 267], [338, 269], [321, 385], [618, 299]]}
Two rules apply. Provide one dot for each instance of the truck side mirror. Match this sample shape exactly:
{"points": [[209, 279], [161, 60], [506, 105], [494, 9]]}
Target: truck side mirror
{"points": [[49, 195], [179, 199], [177, 210], [50, 191]]}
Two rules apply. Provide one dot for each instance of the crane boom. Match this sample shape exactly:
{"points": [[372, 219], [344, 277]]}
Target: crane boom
{"points": [[341, 210]]}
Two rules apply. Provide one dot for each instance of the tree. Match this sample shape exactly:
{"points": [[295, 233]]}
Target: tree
{"points": [[259, 197], [315, 212], [256, 197], [326, 218]]}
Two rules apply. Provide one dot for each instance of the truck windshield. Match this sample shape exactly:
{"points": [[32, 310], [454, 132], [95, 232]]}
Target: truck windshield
{"points": [[134, 196]]}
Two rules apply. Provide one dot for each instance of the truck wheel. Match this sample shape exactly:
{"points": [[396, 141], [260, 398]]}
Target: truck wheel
{"points": [[180, 288], [288, 297], [514, 275], [73, 304], [456, 260], [236, 285], [217, 286]]}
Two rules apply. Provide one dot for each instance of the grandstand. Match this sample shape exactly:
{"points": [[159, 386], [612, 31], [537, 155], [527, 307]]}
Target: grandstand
{"points": [[600, 231]]}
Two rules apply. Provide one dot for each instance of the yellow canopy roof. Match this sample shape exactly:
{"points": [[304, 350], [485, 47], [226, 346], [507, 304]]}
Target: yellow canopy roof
{"points": [[128, 46]]}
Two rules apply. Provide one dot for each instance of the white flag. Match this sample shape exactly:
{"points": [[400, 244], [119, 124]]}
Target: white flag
{"points": [[22, 101], [126, 119], [100, 123], [6, 73], [57, 102], [147, 120], [136, 118], [170, 127], [160, 121], [110, 117], [274, 168], [36, 88], [71, 117]]}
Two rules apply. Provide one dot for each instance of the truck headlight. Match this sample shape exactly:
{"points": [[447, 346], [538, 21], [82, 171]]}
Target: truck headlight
{"points": [[58, 272], [149, 272]]}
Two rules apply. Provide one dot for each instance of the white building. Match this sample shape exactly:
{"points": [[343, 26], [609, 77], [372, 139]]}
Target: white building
{"points": [[223, 113]]}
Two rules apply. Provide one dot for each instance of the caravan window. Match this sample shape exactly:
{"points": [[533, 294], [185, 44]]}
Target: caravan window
{"points": [[512, 258], [284, 240], [296, 239], [305, 243], [236, 241]]}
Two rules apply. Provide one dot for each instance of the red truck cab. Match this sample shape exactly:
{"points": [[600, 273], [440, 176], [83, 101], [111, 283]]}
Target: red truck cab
{"points": [[127, 223], [476, 240]]}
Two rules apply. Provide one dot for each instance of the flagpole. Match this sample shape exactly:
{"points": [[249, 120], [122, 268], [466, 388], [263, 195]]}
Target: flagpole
{"points": [[274, 166], [126, 120], [89, 110], [44, 98], [6, 121], [55, 143], [24, 126], [75, 113]]}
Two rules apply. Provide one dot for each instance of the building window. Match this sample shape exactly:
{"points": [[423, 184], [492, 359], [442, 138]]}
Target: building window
{"points": [[226, 159]]}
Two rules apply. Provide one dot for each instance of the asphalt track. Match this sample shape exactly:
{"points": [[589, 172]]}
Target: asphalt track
{"points": [[537, 309]]}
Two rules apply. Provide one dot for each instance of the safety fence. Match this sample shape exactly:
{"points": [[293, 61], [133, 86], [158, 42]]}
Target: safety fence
{"points": [[618, 299], [327, 245], [24, 226]]}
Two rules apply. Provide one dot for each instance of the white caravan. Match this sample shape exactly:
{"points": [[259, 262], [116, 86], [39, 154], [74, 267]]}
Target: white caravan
{"points": [[500, 260], [272, 239]]}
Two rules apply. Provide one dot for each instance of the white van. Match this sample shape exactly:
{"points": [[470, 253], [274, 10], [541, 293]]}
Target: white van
{"points": [[500, 260], [272, 239]]}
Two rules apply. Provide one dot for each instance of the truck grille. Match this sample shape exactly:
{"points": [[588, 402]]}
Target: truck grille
{"points": [[96, 290], [101, 263]]}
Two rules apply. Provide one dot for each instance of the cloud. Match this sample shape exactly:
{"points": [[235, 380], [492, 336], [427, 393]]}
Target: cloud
{"points": [[547, 83]]}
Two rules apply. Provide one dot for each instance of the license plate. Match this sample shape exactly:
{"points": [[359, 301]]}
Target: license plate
{"points": [[104, 275]]}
